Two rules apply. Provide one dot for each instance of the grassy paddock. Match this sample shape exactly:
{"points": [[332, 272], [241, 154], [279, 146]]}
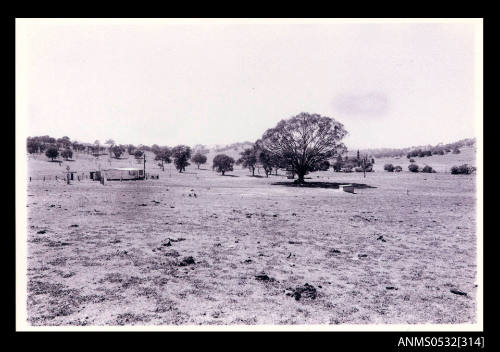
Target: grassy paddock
{"points": [[113, 253]]}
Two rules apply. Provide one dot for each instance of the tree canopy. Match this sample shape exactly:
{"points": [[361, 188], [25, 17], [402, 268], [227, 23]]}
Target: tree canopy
{"points": [[181, 154], [223, 163], [305, 141]]}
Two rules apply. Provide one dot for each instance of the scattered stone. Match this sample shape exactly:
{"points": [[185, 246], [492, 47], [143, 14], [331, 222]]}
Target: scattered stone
{"points": [[275, 215], [177, 240], [248, 260], [187, 261], [168, 244], [306, 291], [172, 207], [41, 232], [289, 256], [381, 238], [292, 242], [294, 214], [142, 205], [74, 225], [264, 277], [334, 251], [458, 292], [362, 255], [391, 288]]}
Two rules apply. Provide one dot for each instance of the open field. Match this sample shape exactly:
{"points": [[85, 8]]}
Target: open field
{"points": [[118, 254]]}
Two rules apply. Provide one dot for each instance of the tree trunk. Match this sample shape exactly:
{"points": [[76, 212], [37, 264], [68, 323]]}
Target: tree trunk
{"points": [[253, 171], [300, 177], [223, 173]]}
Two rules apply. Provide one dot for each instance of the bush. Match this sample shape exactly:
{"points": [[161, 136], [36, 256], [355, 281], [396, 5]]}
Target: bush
{"points": [[428, 169], [347, 169], [389, 167], [398, 168], [456, 151], [412, 160], [413, 167], [462, 169], [358, 169]]}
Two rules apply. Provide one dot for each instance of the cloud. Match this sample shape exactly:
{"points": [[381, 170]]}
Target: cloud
{"points": [[362, 104]]}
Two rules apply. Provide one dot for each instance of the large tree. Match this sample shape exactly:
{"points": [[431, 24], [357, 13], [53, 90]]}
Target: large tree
{"points": [[181, 154], [305, 141]]}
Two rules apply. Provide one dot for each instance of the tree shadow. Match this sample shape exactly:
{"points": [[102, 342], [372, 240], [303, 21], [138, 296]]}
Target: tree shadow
{"points": [[257, 176], [334, 185], [230, 175]]}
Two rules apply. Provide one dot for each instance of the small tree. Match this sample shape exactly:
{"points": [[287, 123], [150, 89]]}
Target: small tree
{"points": [[163, 154], [138, 154], [67, 153], [181, 154], [398, 168], [223, 163], [130, 149], [199, 159], [413, 167], [117, 151], [52, 153], [266, 160], [248, 159]]}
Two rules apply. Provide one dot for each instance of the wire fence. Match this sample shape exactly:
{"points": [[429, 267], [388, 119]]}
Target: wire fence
{"points": [[77, 177]]}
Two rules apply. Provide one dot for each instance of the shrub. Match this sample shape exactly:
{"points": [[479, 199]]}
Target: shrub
{"points": [[389, 167], [398, 168], [463, 169], [138, 154], [413, 167], [412, 160], [347, 169], [428, 169], [456, 151], [358, 169]]}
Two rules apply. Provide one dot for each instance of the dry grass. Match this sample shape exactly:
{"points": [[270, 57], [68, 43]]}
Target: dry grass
{"points": [[117, 254]]}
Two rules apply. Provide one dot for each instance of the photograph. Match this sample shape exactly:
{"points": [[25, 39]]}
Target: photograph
{"points": [[275, 174]]}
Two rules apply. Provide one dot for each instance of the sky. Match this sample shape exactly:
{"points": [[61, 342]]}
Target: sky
{"points": [[171, 82]]}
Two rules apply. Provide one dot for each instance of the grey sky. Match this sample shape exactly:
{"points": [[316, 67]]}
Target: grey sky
{"points": [[150, 82]]}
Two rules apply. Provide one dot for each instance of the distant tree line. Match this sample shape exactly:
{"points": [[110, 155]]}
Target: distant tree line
{"points": [[421, 151]]}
